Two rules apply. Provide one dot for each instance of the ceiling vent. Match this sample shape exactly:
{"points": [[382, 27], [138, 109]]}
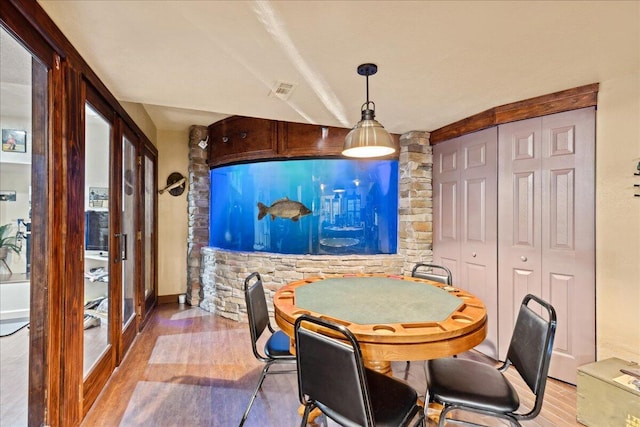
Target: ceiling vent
{"points": [[282, 90]]}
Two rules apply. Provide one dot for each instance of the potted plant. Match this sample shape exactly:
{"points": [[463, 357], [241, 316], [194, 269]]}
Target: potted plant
{"points": [[8, 242]]}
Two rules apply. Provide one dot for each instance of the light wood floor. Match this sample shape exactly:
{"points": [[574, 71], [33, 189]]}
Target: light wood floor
{"points": [[189, 367]]}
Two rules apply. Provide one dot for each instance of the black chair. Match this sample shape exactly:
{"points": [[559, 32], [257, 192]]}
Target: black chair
{"points": [[432, 273], [276, 349], [480, 388], [332, 377]]}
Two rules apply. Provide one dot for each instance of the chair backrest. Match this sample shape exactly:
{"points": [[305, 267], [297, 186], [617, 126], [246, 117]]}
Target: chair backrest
{"points": [[431, 273], [257, 310], [331, 373], [531, 347]]}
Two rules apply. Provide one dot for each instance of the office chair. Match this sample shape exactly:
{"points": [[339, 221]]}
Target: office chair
{"points": [[480, 388], [276, 349], [332, 377], [432, 274]]}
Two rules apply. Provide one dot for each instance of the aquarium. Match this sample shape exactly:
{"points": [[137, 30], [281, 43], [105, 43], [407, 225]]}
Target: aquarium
{"points": [[318, 206]]}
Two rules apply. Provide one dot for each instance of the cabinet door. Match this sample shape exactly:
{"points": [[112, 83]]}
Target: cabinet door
{"points": [[236, 138], [547, 233], [465, 206]]}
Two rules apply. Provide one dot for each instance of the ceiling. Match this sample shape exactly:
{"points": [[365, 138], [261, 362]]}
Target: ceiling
{"points": [[195, 62]]}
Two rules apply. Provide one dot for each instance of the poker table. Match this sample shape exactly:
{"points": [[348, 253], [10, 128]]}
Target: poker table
{"points": [[394, 318]]}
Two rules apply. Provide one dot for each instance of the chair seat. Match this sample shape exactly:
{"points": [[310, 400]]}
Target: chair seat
{"points": [[278, 345], [482, 386], [392, 400]]}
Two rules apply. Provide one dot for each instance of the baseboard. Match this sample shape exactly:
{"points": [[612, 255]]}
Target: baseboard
{"points": [[168, 299]]}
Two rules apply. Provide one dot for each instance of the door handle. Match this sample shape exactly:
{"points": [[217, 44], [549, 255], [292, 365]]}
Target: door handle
{"points": [[523, 258]]}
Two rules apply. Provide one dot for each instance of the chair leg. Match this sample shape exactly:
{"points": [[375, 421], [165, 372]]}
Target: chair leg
{"points": [[305, 416], [255, 393]]}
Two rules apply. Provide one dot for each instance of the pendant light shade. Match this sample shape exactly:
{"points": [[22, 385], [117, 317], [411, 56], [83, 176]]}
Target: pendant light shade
{"points": [[368, 138]]}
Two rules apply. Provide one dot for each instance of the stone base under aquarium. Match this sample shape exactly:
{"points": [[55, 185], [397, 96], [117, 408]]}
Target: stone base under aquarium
{"points": [[224, 271]]}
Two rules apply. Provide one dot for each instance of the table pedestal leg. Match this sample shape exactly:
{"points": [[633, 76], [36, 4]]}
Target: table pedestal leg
{"points": [[315, 413], [384, 367]]}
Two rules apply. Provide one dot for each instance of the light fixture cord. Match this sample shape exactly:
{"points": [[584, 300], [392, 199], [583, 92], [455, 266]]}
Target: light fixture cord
{"points": [[367, 76], [368, 113]]}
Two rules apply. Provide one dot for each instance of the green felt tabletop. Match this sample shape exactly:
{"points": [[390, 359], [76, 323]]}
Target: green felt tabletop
{"points": [[377, 300]]}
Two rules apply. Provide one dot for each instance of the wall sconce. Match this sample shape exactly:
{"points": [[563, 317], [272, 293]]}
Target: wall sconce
{"points": [[176, 183]]}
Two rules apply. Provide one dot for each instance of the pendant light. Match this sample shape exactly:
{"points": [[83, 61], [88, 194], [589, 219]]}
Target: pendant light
{"points": [[368, 138]]}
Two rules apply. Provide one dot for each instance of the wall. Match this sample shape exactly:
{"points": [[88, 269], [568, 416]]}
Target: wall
{"points": [[142, 119], [173, 156], [618, 219]]}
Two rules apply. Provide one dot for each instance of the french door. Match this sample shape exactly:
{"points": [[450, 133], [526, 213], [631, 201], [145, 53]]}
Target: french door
{"points": [[111, 294]]}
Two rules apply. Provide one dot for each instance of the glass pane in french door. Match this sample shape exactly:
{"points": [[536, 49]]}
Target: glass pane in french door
{"points": [[128, 226], [96, 256], [149, 199], [22, 120]]}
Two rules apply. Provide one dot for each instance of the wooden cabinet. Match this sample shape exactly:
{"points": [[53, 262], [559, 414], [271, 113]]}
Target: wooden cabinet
{"points": [[244, 139], [235, 138], [299, 139]]}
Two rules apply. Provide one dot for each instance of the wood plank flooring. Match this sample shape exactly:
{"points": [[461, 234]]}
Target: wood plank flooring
{"points": [[191, 368], [14, 378]]}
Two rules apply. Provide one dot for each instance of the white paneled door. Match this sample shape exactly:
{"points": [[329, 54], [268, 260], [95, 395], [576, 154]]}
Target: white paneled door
{"points": [[465, 206], [546, 229]]}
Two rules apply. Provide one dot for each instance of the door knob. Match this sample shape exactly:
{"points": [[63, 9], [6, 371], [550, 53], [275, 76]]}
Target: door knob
{"points": [[473, 254], [523, 258]]}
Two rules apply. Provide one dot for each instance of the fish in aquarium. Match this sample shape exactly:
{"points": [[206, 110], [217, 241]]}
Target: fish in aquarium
{"points": [[283, 208]]}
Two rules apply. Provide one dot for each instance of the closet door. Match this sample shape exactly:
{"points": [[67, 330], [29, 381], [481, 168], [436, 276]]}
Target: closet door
{"points": [[446, 176], [465, 203], [478, 226], [568, 238], [547, 231]]}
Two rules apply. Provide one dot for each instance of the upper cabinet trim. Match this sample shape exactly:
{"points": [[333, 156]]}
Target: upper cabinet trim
{"points": [[557, 102]]}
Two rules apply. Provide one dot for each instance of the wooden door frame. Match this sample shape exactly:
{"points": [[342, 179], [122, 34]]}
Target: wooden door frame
{"points": [[55, 390]]}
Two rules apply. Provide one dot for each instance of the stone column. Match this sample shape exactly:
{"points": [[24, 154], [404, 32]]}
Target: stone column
{"points": [[415, 199], [198, 206]]}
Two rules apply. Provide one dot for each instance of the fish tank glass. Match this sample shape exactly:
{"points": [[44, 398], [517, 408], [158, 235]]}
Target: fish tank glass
{"points": [[317, 206]]}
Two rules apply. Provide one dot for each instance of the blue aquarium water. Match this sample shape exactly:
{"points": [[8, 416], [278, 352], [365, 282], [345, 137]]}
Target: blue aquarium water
{"points": [[318, 206]]}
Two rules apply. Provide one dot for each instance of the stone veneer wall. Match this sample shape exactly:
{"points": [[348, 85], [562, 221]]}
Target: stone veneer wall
{"points": [[222, 272], [198, 206]]}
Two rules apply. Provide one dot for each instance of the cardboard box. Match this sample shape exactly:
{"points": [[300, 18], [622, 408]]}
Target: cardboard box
{"points": [[605, 398]]}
